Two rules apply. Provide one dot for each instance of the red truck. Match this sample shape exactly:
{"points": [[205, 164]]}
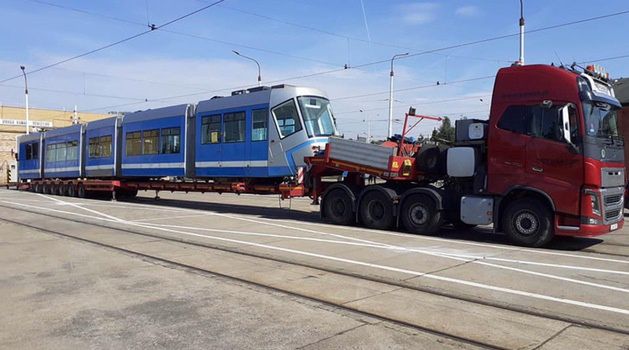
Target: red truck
{"points": [[548, 161]]}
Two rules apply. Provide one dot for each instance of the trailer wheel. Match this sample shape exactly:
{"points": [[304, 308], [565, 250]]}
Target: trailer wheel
{"points": [[80, 191], [71, 190], [420, 215], [376, 210], [47, 188], [38, 188], [528, 222], [337, 206], [63, 189]]}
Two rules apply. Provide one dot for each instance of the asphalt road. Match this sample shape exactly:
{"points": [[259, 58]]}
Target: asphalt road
{"points": [[208, 270]]}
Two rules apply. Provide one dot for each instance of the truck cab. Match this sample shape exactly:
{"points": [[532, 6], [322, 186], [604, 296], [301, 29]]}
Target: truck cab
{"points": [[555, 160]]}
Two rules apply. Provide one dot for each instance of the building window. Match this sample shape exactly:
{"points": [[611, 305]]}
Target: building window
{"points": [[171, 140], [260, 125], [134, 143], [211, 129], [287, 118], [150, 142], [234, 124]]}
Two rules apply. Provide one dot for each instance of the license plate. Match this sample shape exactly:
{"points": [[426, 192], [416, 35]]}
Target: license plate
{"points": [[613, 227]]}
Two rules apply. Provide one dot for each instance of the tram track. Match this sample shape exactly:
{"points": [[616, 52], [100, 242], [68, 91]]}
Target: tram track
{"points": [[267, 257]]}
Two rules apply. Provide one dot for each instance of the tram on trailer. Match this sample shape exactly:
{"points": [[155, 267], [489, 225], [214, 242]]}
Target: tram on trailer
{"points": [[252, 135]]}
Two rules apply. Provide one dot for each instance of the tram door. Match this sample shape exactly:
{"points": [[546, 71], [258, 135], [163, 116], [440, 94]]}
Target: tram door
{"points": [[258, 149]]}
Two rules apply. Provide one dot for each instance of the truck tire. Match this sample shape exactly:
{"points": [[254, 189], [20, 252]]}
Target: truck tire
{"points": [[376, 210], [71, 190], [528, 222], [80, 191], [38, 188], [430, 160], [337, 207], [419, 215]]}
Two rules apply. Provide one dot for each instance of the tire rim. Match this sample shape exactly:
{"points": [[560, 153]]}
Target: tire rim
{"points": [[418, 214], [338, 207], [526, 223], [376, 210]]}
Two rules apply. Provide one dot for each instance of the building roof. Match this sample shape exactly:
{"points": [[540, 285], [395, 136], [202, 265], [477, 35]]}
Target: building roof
{"points": [[621, 89]]}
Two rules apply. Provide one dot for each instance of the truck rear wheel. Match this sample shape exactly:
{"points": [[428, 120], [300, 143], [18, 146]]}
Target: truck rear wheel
{"points": [[419, 215], [337, 207], [528, 222], [376, 210]]}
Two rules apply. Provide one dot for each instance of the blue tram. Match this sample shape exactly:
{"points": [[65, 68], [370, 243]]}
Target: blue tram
{"points": [[263, 132]]}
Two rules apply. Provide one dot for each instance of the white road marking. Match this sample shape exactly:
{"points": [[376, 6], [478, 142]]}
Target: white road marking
{"points": [[361, 263], [170, 217], [80, 207], [403, 249], [406, 235]]}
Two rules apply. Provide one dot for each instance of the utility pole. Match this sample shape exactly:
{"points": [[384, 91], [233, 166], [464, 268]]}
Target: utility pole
{"points": [[26, 96], [391, 74], [521, 60]]}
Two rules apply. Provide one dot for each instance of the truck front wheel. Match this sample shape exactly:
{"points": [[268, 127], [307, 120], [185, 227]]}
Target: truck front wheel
{"points": [[528, 222], [337, 207], [419, 215]]}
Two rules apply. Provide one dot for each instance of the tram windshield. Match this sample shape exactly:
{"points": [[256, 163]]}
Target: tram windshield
{"points": [[318, 117]]}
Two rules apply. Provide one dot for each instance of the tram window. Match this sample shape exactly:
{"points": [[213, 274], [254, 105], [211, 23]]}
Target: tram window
{"points": [[260, 125], [29, 151], [93, 147], [134, 143], [51, 153], [234, 126], [72, 150], [34, 150], [150, 141], [287, 118], [211, 129], [105, 146], [171, 140]]}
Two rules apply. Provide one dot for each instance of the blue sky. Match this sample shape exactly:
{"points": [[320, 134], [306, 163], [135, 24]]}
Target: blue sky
{"points": [[293, 38]]}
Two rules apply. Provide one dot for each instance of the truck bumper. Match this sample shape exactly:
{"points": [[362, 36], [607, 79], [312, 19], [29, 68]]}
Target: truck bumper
{"points": [[584, 230]]}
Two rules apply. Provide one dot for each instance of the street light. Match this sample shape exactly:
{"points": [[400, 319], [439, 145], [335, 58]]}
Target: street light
{"points": [[391, 93], [249, 58], [25, 95]]}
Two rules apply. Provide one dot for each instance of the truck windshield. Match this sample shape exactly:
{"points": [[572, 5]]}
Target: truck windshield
{"points": [[318, 117], [601, 120]]}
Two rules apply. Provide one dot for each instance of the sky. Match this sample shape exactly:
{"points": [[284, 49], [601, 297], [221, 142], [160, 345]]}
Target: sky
{"points": [[299, 42]]}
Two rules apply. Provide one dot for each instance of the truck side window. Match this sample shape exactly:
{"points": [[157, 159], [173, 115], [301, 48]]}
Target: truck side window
{"points": [[516, 119]]}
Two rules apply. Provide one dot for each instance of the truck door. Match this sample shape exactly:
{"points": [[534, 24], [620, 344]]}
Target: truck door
{"points": [[507, 149], [553, 158]]}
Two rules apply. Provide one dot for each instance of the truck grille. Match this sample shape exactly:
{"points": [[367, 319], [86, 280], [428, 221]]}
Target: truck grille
{"points": [[613, 199], [612, 214], [612, 204]]}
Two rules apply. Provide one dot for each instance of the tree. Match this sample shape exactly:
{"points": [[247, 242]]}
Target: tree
{"points": [[445, 132]]}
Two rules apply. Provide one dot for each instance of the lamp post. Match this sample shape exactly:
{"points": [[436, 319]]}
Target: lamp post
{"points": [[521, 60], [391, 93], [249, 58], [25, 95]]}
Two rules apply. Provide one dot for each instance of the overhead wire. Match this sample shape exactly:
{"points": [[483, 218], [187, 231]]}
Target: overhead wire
{"points": [[151, 28]]}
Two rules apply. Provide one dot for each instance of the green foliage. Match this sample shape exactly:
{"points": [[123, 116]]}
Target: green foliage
{"points": [[445, 132]]}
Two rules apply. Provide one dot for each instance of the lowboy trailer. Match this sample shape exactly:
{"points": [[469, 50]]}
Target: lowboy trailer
{"points": [[548, 161]]}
